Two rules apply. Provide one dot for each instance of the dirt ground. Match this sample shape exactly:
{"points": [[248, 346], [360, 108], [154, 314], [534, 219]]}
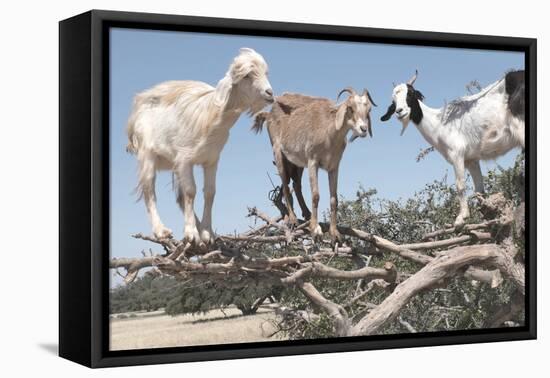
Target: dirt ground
{"points": [[156, 329]]}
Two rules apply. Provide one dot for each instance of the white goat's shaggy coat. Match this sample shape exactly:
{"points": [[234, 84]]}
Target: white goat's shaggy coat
{"points": [[470, 129], [178, 124]]}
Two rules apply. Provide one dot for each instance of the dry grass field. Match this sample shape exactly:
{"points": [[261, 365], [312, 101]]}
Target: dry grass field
{"points": [[157, 330]]}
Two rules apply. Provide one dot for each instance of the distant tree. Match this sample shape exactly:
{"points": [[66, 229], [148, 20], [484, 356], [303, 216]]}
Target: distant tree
{"points": [[148, 293], [205, 296]]}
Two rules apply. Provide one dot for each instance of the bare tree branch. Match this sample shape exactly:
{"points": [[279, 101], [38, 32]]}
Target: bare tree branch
{"points": [[444, 266], [335, 311], [132, 266]]}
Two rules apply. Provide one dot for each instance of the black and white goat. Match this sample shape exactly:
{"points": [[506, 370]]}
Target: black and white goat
{"points": [[482, 126]]}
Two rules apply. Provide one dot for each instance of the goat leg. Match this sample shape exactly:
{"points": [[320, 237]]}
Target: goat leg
{"points": [[333, 186], [147, 175], [209, 190], [464, 213], [475, 171], [282, 167], [297, 186], [187, 187], [313, 169]]}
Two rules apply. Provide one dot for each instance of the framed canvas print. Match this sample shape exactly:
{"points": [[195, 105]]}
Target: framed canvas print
{"points": [[235, 188]]}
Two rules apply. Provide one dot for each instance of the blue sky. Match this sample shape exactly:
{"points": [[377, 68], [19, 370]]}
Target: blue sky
{"points": [[141, 59]]}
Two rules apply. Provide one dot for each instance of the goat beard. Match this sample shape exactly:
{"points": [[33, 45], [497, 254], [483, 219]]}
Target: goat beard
{"points": [[257, 106], [405, 123]]}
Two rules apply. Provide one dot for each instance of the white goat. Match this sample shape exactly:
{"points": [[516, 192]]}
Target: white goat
{"points": [[178, 124], [311, 132], [483, 126]]}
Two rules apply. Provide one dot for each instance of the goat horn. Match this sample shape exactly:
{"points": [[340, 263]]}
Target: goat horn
{"points": [[366, 92], [350, 90], [413, 79], [394, 85]]}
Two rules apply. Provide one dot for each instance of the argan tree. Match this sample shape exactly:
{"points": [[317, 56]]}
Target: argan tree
{"points": [[401, 268]]}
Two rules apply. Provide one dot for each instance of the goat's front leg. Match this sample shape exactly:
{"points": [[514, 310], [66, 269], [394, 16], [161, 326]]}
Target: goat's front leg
{"points": [[187, 187], [475, 170], [333, 185], [209, 190], [313, 169], [464, 213]]}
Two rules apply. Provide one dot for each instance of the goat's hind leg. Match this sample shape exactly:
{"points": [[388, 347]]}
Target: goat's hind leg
{"points": [[285, 180], [464, 213], [475, 171], [296, 176], [147, 176]]}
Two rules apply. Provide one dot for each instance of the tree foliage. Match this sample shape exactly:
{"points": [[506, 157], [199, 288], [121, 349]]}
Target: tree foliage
{"points": [[144, 294], [460, 304], [149, 293], [205, 296]]}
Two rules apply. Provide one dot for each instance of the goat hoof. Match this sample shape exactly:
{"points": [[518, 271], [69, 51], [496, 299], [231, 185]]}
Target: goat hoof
{"points": [[335, 236], [163, 233], [459, 223], [191, 235], [316, 231], [207, 237], [307, 216], [292, 221]]}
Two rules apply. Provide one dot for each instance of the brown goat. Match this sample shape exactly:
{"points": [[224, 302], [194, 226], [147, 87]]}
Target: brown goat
{"points": [[311, 132]]}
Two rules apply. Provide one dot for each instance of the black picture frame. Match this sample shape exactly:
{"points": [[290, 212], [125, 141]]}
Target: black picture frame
{"points": [[84, 187]]}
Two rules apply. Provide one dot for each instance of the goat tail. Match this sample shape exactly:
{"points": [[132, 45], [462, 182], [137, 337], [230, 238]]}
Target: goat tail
{"points": [[133, 140], [259, 120], [131, 147]]}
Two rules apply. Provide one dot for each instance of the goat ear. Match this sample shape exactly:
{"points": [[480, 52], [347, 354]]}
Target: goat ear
{"points": [[238, 75], [238, 70], [389, 112], [223, 89], [418, 95], [341, 115]]}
